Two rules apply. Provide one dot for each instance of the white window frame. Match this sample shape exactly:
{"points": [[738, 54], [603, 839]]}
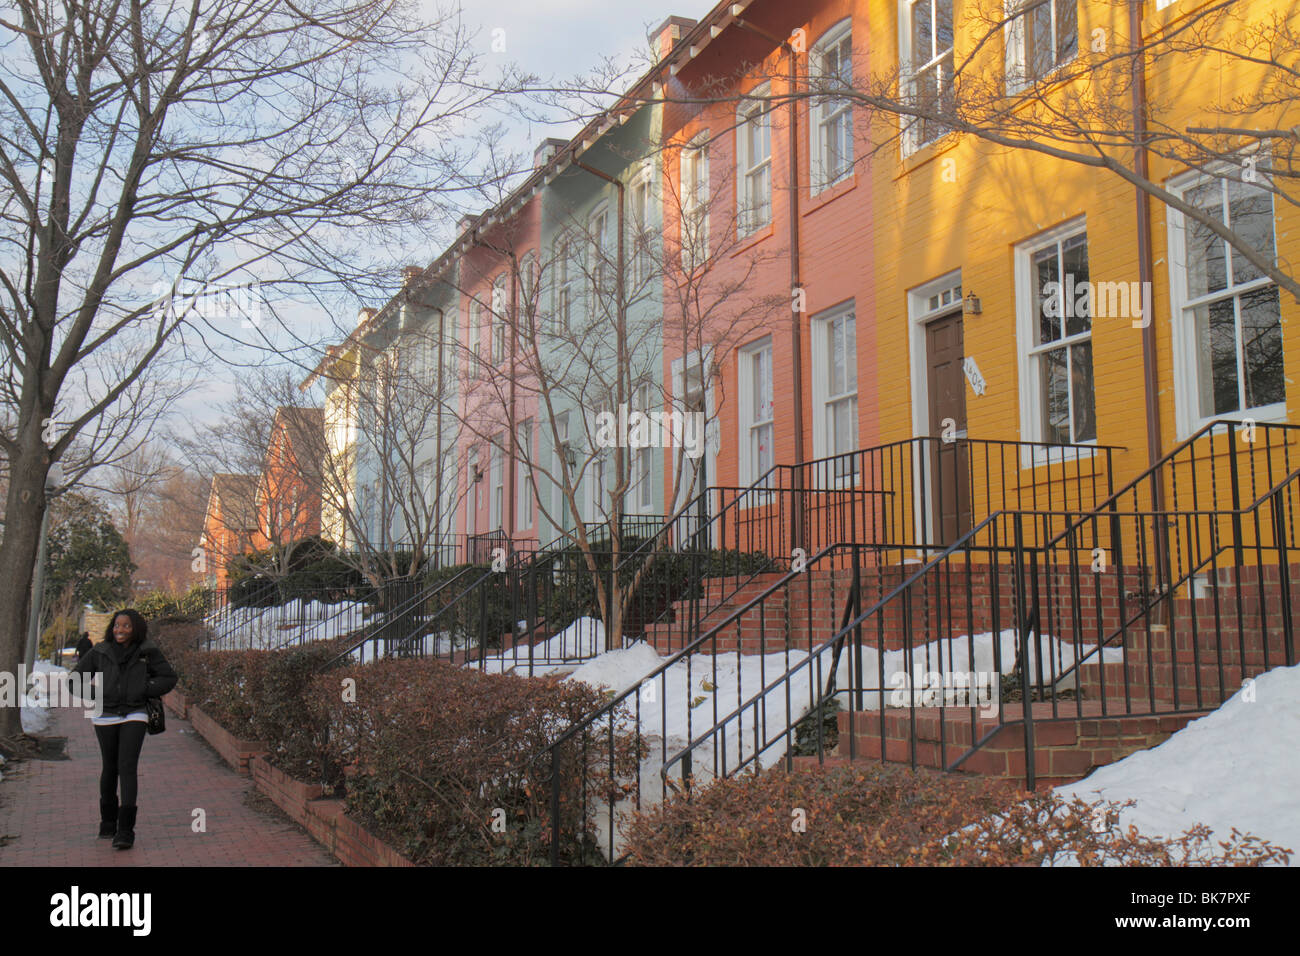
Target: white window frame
{"points": [[530, 293], [642, 459], [643, 225], [912, 137], [750, 421], [827, 111], [475, 339], [1027, 346], [751, 215], [496, 501], [694, 181], [823, 328], [562, 306], [1186, 382], [599, 266], [561, 506], [524, 516], [1017, 76], [498, 319]]}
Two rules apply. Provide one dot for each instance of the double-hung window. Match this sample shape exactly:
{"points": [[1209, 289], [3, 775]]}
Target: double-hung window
{"points": [[757, 411], [642, 458], [832, 116], [754, 153], [1228, 314], [600, 268], [643, 242], [498, 499], [1041, 35], [1055, 327], [476, 339], [523, 468], [835, 377], [926, 68], [499, 320], [695, 202], [564, 286]]}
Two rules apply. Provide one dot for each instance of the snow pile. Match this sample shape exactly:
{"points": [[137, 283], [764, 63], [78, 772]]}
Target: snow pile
{"points": [[700, 691], [264, 628], [35, 709], [582, 640], [1236, 767]]}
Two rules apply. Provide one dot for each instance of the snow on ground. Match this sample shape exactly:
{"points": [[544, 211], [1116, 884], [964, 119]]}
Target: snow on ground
{"points": [[35, 709], [584, 639], [1235, 767], [263, 628], [684, 702]]}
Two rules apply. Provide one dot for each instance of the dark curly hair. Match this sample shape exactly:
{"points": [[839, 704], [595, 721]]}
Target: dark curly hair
{"points": [[139, 626]]}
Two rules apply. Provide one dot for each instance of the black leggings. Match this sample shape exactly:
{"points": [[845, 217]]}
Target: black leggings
{"points": [[120, 746]]}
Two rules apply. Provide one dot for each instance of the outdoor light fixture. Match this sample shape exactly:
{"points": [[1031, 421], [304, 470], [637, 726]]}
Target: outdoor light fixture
{"points": [[476, 474], [570, 458], [971, 305]]}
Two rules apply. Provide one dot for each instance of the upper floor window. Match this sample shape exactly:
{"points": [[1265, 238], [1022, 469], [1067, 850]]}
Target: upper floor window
{"points": [[529, 294], [695, 202], [499, 320], [642, 225], [1041, 35], [1055, 323], [1228, 314], [475, 339], [926, 68], [599, 266], [565, 276], [831, 127], [754, 161]]}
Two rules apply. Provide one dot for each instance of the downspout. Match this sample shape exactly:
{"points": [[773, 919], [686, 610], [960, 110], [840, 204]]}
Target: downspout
{"points": [[438, 449], [512, 478], [1145, 275]]}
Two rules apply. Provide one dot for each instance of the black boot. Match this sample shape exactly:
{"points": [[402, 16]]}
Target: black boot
{"points": [[108, 819], [124, 839]]}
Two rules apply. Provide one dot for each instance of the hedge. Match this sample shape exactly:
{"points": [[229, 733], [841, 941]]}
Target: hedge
{"points": [[873, 814], [434, 758]]}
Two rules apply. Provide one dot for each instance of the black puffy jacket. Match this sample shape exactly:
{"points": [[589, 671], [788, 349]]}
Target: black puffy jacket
{"points": [[131, 673]]}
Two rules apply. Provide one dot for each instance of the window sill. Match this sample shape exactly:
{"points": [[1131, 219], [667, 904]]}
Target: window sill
{"points": [[927, 153], [754, 238], [831, 193], [1265, 415]]}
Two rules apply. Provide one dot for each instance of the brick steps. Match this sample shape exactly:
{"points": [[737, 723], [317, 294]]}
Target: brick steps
{"points": [[1066, 747]]}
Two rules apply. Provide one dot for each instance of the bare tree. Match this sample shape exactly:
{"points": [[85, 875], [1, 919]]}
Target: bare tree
{"points": [[183, 149], [578, 332]]}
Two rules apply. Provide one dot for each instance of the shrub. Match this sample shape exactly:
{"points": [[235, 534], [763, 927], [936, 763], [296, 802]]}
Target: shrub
{"points": [[176, 606], [886, 815], [437, 754]]}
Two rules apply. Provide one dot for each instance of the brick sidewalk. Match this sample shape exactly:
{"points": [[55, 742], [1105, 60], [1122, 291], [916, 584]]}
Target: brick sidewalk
{"points": [[50, 808]]}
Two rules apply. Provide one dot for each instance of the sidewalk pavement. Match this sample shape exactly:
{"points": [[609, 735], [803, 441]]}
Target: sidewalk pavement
{"points": [[49, 809]]}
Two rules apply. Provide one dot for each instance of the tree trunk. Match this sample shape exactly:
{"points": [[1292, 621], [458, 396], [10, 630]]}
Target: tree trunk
{"points": [[24, 509]]}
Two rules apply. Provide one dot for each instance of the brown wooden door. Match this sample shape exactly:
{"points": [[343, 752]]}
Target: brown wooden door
{"points": [[949, 471]]}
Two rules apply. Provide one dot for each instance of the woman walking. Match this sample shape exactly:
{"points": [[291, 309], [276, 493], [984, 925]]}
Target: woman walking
{"points": [[134, 669]]}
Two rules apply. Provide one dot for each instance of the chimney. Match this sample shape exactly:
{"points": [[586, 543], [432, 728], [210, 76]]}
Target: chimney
{"points": [[365, 315], [665, 36], [546, 151], [410, 274]]}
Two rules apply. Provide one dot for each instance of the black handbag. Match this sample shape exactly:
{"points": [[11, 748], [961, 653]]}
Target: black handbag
{"points": [[157, 718]]}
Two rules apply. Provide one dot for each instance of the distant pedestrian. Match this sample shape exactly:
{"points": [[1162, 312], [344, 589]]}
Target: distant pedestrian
{"points": [[84, 645], [134, 669]]}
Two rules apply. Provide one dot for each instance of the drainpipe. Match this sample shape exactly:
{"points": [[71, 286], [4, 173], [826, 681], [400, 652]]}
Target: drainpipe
{"points": [[796, 284], [512, 480], [1145, 274]]}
